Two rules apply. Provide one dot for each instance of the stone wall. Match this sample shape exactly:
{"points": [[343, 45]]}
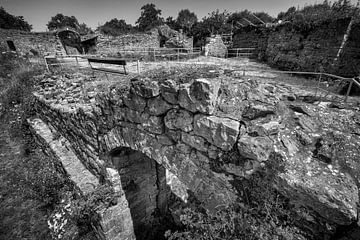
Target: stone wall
{"points": [[42, 42], [210, 132], [161, 36], [111, 45], [288, 48]]}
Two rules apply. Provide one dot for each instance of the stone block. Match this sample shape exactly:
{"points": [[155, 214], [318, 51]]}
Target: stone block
{"points": [[222, 132], [169, 91], [179, 119], [200, 95], [157, 106]]}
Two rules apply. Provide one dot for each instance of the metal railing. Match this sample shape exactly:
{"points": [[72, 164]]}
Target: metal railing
{"points": [[239, 52], [351, 81], [156, 54]]}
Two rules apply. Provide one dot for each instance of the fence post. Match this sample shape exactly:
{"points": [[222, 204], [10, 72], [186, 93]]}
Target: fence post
{"points": [[154, 55], [138, 66], [77, 62], [317, 85], [178, 56], [348, 90]]}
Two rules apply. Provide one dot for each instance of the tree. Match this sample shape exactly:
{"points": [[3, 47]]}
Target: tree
{"points": [[8, 21], [115, 27], [83, 29], [150, 17], [186, 19], [239, 17], [217, 22], [172, 23], [60, 21]]}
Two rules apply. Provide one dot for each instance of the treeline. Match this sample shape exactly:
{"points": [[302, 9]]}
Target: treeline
{"points": [[216, 22], [8, 21]]}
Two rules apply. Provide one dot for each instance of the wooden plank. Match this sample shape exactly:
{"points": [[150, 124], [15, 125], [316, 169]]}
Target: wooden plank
{"points": [[115, 61], [108, 70]]}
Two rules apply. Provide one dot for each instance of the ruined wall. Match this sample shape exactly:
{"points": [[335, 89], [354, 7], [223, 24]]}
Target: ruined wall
{"points": [[161, 36], [110, 45], [210, 133], [42, 42], [290, 48]]}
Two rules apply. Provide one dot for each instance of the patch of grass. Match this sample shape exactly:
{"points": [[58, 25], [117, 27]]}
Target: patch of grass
{"points": [[30, 185]]}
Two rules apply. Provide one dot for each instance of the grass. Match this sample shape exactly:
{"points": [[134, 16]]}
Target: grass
{"points": [[30, 186]]}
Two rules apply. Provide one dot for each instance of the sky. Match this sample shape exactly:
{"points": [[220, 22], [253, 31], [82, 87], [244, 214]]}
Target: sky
{"points": [[96, 12]]}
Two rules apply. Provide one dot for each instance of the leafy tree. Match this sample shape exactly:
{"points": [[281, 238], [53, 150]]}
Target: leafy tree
{"points": [[83, 29], [60, 21], [217, 22], [149, 18], [8, 21], [115, 27], [239, 17], [172, 23], [186, 19]]}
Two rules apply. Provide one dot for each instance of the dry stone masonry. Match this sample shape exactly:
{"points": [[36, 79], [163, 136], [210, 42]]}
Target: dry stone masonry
{"points": [[134, 131]]}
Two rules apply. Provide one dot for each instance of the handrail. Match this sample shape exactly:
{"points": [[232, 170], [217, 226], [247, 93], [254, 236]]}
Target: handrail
{"points": [[320, 74]]}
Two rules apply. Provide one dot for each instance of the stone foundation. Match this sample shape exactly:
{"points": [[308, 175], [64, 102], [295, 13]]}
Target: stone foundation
{"points": [[135, 130]]}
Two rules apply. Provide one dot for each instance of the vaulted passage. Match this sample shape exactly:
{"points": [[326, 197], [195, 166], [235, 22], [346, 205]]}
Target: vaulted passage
{"points": [[144, 183]]}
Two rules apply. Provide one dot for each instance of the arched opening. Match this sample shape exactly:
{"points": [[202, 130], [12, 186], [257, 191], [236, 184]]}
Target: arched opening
{"points": [[149, 196]]}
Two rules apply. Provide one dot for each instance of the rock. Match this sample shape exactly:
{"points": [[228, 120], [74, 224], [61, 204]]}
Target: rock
{"points": [[169, 91], [222, 132], [153, 124], [328, 192], [194, 141], [145, 88], [179, 119], [258, 110], [134, 102], [157, 106], [255, 148], [201, 95]]}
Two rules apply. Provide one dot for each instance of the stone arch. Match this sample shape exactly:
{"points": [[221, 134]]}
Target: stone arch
{"points": [[147, 193]]}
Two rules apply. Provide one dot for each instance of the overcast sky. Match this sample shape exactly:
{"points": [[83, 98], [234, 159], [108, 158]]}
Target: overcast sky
{"points": [[95, 12]]}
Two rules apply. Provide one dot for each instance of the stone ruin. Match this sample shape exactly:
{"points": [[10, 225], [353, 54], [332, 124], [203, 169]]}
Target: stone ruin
{"points": [[133, 133], [67, 42], [215, 47]]}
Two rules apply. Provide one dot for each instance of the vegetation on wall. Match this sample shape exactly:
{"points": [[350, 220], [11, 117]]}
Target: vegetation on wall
{"points": [[314, 15]]}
